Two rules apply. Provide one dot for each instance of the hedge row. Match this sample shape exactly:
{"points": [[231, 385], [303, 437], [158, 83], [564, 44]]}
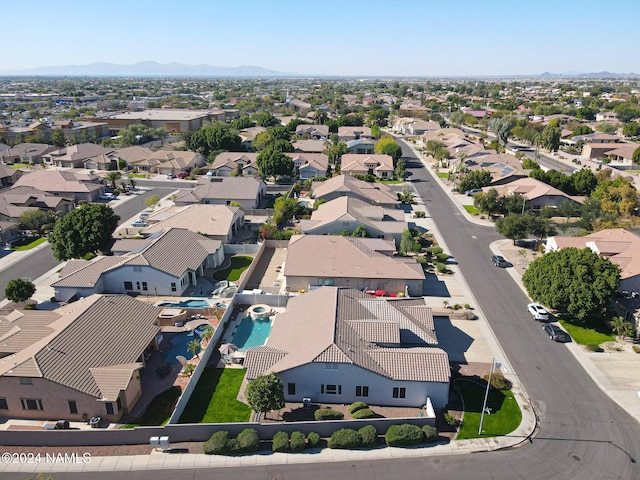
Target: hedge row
{"points": [[327, 414], [220, 443], [407, 434], [296, 443]]}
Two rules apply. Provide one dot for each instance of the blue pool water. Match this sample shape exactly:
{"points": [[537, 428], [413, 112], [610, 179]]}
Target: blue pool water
{"points": [[251, 333], [185, 304], [179, 344]]}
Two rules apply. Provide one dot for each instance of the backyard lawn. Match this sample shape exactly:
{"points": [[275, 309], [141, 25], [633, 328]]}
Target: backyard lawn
{"points": [[232, 273], [159, 410], [214, 398], [589, 332], [505, 412]]}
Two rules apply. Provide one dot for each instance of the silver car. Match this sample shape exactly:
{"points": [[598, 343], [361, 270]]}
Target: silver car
{"points": [[539, 312]]}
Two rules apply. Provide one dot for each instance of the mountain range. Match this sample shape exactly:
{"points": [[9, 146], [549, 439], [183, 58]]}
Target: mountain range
{"points": [[589, 75], [147, 69]]}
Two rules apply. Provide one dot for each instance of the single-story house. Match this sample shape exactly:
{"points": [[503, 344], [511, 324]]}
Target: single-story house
{"points": [[347, 213], [26, 153], [78, 361], [361, 146], [537, 193], [16, 201], [379, 165], [309, 165], [218, 222], [362, 263], [74, 156], [346, 185], [313, 132], [420, 127], [339, 345], [227, 164], [309, 146], [620, 246], [166, 263], [9, 176], [346, 134], [249, 192], [64, 184]]}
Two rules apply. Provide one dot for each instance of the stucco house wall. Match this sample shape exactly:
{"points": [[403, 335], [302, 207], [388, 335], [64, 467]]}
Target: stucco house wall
{"points": [[390, 285], [309, 378]]}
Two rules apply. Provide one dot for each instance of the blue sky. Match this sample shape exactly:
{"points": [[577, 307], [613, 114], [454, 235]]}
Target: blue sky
{"points": [[348, 37]]}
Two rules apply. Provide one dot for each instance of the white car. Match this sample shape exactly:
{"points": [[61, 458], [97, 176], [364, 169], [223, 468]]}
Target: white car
{"points": [[538, 311], [139, 223], [107, 196]]}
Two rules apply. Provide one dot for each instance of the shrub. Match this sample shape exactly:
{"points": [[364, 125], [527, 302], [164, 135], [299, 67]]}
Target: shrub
{"points": [[313, 439], [451, 419], [468, 315], [297, 441], [457, 306], [280, 442], [593, 347], [430, 433], [354, 407], [636, 348], [435, 251], [217, 444], [419, 214], [364, 413], [441, 267], [467, 306], [327, 414], [498, 381], [369, 436], [403, 435], [233, 446], [421, 260], [442, 257], [248, 440], [345, 438]]}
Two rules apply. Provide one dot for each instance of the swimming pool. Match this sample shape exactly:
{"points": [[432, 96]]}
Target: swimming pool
{"points": [[251, 333], [186, 304], [179, 344]]}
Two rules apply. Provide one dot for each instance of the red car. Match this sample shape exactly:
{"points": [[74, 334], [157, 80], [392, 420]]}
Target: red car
{"points": [[183, 175], [379, 293]]}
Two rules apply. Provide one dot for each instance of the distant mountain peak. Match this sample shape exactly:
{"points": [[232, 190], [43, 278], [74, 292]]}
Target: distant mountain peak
{"points": [[149, 68]]}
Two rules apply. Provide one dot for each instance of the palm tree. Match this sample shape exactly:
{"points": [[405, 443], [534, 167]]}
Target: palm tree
{"points": [[206, 334], [193, 347], [112, 177], [621, 328]]}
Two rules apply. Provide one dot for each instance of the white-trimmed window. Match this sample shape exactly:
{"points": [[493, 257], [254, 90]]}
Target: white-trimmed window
{"points": [[31, 404]]}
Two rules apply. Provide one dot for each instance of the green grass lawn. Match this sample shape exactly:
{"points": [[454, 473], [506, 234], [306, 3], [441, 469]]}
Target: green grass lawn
{"points": [[471, 209], [505, 412], [29, 245], [214, 398], [444, 175], [159, 410], [232, 273], [137, 175], [18, 165], [390, 182], [589, 332]]}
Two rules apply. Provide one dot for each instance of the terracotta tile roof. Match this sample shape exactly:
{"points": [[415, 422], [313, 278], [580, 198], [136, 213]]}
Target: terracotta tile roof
{"points": [[260, 360], [114, 378], [351, 186]]}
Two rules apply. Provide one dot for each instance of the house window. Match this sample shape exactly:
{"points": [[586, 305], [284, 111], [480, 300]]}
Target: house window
{"points": [[73, 407], [26, 381], [331, 366], [119, 404], [109, 407], [331, 389], [399, 392], [137, 285], [3, 404], [291, 389], [173, 287], [31, 404], [144, 286], [362, 391], [128, 285], [137, 268]]}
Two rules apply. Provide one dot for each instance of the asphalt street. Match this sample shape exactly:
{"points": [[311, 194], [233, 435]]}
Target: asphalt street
{"points": [[582, 433]]}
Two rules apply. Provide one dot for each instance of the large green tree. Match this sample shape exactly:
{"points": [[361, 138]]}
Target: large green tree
{"points": [[34, 219], [474, 179], [551, 138], [636, 156], [578, 282], [57, 137], [501, 127], [513, 226], [213, 138], [19, 290], [84, 230], [388, 146], [274, 163], [265, 393]]}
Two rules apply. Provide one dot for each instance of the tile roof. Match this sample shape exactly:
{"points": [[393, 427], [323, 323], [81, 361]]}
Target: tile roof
{"points": [[347, 185], [345, 257], [222, 188], [96, 332], [57, 181], [352, 162], [213, 220], [341, 325]]}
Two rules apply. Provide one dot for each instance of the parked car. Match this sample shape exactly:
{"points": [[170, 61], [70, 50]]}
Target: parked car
{"points": [[499, 261], [171, 175], [538, 311], [556, 333], [472, 192], [379, 293], [183, 175], [144, 215], [139, 223], [107, 196]]}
